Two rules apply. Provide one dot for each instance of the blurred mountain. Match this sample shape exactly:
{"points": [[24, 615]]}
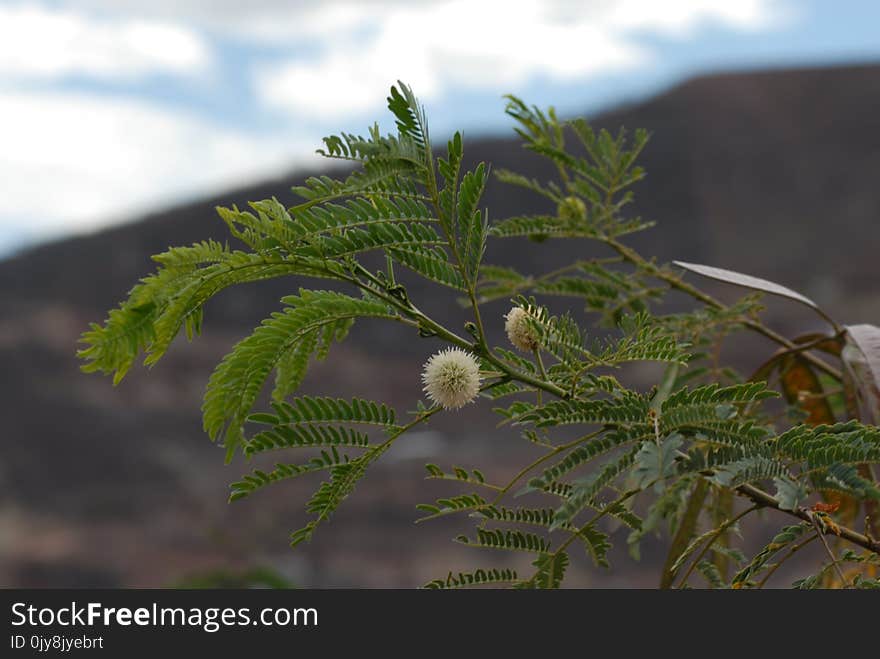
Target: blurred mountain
{"points": [[772, 173]]}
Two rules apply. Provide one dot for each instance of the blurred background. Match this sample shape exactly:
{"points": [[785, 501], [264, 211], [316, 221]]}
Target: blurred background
{"points": [[124, 122]]}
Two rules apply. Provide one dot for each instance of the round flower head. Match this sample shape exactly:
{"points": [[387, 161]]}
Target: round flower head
{"points": [[452, 378], [520, 333]]}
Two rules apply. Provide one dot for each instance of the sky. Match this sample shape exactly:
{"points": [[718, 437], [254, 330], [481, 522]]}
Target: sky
{"points": [[113, 108]]}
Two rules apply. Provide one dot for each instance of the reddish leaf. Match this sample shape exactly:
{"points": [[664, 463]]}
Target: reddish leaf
{"points": [[802, 388], [829, 344]]}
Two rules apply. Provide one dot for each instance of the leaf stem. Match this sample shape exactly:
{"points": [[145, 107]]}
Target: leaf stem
{"points": [[556, 451], [605, 510], [821, 533], [541, 369], [711, 541], [684, 532], [791, 552]]}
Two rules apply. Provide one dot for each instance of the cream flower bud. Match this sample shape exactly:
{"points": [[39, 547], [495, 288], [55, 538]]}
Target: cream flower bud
{"points": [[452, 378], [572, 208], [521, 334]]}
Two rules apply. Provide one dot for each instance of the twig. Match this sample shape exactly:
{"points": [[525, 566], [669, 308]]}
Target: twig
{"points": [[782, 560], [711, 541], [759, 496], [821, 532]]}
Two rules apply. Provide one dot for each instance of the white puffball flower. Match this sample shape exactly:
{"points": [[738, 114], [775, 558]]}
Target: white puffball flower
{"points": [[521, 334], [452, 378]]}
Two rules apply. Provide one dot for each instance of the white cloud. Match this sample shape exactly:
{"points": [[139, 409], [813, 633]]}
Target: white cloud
{"points": [[495, 45], [44, 43], [680, 18], [355, 48], [72, 161], [277, 21], [281, 20]]}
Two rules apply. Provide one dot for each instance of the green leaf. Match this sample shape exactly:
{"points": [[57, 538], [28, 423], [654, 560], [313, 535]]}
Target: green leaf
{"points": [[750, 469], [448, 505], [472, 223], [629, 408], [475, 578], [307, 435], [597, 544], [173, 297], [410, 115], [789, 493], [293, 364], [509, 540], [259, 479], [786, 536], [584, 491], [239, 378], [711, 573], [583, 454], [551, 570], [431, 263], [656, 462]]}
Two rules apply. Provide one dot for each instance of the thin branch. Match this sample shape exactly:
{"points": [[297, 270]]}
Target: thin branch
{"points": [[711, 541], [595, 518], [685, 531], [821, 532], [759, 496], [791, 552], [556, 451]]}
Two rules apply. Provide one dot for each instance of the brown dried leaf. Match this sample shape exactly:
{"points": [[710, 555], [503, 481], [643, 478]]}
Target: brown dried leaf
{"points": [[802, 388], [828, 344], [861, 358]]}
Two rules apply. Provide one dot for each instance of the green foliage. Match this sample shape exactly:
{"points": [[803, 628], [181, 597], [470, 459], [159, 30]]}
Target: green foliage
{"points": [[305, 435], [704, 436], [782, 540], [259, 479], [475, 578], [162, 303], [308, 409], [550, 571], [277, 344], [655, 462], [507, 540]]}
